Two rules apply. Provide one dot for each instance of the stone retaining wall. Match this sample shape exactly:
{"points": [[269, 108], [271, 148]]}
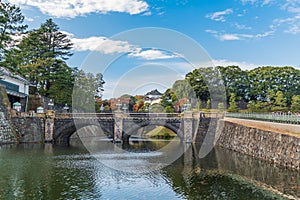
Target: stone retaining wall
{"points": [[6, 131], [29, 129], [277, 148]]}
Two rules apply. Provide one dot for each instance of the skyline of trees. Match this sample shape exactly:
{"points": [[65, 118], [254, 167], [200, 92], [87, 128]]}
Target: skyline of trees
{"points": [[40, 55]]}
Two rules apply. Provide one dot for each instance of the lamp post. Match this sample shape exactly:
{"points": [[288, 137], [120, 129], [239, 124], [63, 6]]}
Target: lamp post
{"points": [[17, 106], [51, 104], [124, 108], [187, 106], [119, 105], [66, 108], [101, 108]]}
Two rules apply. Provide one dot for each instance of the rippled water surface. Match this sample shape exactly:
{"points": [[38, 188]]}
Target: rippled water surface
{"points": [[55, 172]]}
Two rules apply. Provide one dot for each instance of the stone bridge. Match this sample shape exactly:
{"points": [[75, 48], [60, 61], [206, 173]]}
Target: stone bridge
{"points": [[120, 126]]}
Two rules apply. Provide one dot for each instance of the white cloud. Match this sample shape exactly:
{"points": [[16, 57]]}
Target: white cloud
{"points": [[266, 2], [248, 1], [290, 24], [107, 46], [236, 36], [294, 29], [242, 65], [73, 8], [242, 26], [291, 6], [102, 44], [261, 2], [219, 16], [229, 37], [211, 31], [28, 19], [152, 54]]}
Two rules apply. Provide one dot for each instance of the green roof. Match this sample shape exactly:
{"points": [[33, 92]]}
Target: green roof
{"points": [[16, 104]]}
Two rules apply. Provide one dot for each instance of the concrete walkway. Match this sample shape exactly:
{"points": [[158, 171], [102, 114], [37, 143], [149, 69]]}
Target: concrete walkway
{"points": [[288, 129]]}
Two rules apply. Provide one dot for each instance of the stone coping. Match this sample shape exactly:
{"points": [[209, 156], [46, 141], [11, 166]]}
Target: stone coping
{"points": [[287, 129]]}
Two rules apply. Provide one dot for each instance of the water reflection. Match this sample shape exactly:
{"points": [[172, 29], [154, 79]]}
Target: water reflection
{"points": [[54, 172]]}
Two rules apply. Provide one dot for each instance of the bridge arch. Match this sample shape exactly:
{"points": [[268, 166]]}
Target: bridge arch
{"points": [[131, 128], [62, 134]]}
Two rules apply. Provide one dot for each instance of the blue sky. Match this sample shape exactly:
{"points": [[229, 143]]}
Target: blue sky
{"points": [[247, 33]]}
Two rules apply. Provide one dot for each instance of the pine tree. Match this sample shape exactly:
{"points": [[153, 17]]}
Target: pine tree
{"points": [[11, 24], [295, 103], [232, 104], [41, 56]]}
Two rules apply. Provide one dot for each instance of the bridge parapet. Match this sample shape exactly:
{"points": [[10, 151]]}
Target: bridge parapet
{"points": [[83, 115]]}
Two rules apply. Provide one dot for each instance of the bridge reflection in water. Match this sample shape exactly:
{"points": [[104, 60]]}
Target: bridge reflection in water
{"points": [[37, 171]]}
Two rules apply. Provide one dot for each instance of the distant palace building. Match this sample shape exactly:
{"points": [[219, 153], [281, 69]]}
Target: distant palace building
{"points": [[153, 97], [17, 87]]}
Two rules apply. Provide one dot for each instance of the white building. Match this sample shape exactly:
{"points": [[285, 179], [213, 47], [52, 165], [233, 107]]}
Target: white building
{"points": [[17, 87], [153, 97]]}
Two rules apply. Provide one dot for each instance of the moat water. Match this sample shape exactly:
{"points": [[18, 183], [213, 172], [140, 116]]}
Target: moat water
{"points": [[32, 171]]}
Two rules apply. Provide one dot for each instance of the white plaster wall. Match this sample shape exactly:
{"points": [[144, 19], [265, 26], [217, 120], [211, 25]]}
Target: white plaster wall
{"points": [[22, 87]]}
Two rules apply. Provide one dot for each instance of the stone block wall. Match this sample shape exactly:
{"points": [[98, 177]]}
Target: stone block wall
{"points": [[29, 129], [276, 148], [6, 131]]}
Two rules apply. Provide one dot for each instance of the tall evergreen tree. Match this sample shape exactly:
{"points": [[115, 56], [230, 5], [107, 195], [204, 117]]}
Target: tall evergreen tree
{"points": [[232, 104], [41, 56], [11, 25]]}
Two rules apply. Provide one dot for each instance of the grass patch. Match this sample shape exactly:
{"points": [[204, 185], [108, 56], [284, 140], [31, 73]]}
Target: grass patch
{"points": [[161, 132]]}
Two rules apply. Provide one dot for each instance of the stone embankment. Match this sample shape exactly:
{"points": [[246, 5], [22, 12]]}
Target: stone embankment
{"points": [[6, 131], [281, 148], [29, 129]]}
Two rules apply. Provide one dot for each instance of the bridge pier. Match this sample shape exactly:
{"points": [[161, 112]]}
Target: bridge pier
{"points": [[188, 126], [49, 125], [118, 127]]}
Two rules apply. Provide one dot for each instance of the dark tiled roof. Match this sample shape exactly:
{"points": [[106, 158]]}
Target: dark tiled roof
{"points": [[154, 92], [6, 72]]}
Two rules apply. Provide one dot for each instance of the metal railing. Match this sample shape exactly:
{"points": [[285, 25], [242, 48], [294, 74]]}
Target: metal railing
{"points": [[288, 118]]}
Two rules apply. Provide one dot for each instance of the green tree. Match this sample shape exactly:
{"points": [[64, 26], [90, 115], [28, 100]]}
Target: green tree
{"points": [[235, 81], [145, 108], [87, 88], [295, 103], [264, 79], [232, 104], [280, 101], [169, 109], [208, 104], [221, 106], [251, 106], [156, 108], [183, 89], [168, 98], [41, 56], [207, 84], [11, 25], [270, 99]]}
